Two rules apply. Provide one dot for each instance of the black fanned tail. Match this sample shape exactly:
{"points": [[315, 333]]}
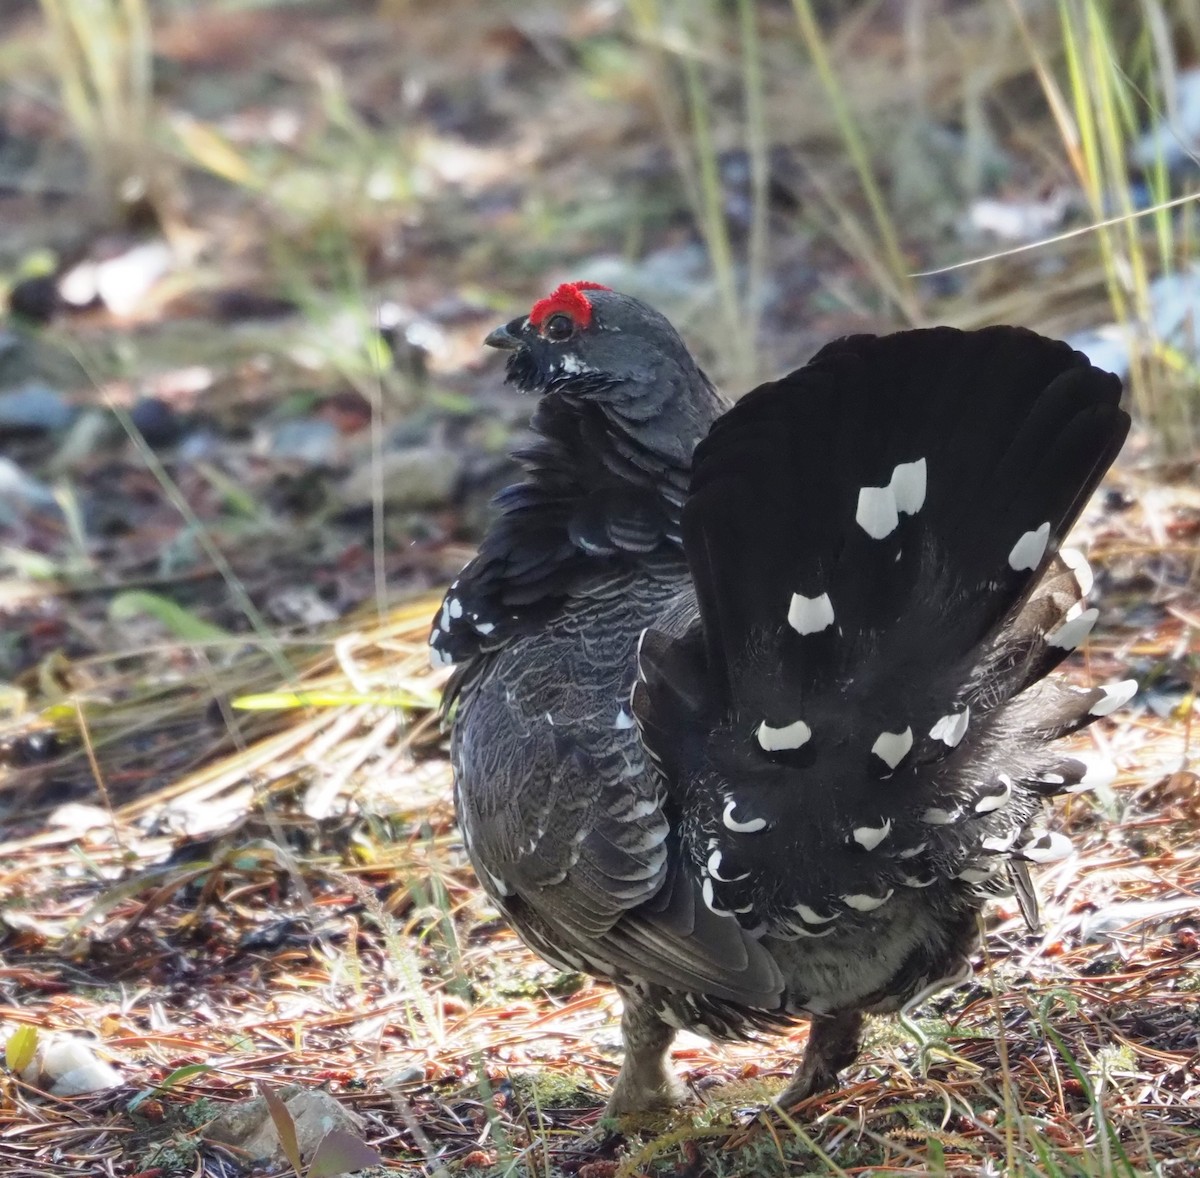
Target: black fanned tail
{"points": [[864, 705]]}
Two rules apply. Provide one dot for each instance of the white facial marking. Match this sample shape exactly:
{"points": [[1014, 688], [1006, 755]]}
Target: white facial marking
{"points": [[1028, 551], [951, 728], [439, 658], [908, 486], [1047, 848], [572, 365], [1116, 695], [455, 607], [892, 747], [1072, 632], [994, 801], [808, 615], [790, 736], [731, 823], [810, 915], [869, 837], [1077, 563], [861, 903], [876, 513], [444, 620]]}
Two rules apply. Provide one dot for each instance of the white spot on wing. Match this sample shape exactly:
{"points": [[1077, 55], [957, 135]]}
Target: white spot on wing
{"points": [[1072, 632], [1077, 563], [1028, 551], [623, 720], [891, 747], [951, 728], [808, 615], [869, 837], [876, 513], [731, 823], [1116, 695], [790, 736], [908, 486], [862, 903]]}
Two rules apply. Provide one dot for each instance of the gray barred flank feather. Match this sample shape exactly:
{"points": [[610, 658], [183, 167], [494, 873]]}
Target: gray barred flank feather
{"points": [[753, 708]]}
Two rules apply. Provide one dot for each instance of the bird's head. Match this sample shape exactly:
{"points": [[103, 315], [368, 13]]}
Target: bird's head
{"points": [[588, 343]]}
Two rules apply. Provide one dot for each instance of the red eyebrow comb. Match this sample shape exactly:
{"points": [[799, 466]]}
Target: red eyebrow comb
{"points": [[568, 299]]}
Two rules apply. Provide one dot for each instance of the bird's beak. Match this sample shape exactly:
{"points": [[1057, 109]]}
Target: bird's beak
{"points": [[504, 338]]}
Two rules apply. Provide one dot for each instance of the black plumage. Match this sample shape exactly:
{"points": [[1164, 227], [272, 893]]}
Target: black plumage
{"points": [[752, 712]]}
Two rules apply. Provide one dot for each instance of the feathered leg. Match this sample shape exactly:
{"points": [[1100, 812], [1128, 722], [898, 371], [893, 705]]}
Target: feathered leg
{"points": [[645, 1081]]}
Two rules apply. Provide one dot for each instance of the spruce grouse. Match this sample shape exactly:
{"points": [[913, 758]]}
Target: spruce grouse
{"points": [[751, 713]]}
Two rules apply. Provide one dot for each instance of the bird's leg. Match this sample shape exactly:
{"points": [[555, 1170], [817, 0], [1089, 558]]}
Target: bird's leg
{"points": [[645, 1081], [833, 1042]]}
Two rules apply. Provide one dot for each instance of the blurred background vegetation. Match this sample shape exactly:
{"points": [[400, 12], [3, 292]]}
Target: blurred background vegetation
{"points": [[249, 250]]}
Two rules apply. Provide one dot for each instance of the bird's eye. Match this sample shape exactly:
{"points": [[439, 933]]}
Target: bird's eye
{"points": [[558, 328]]}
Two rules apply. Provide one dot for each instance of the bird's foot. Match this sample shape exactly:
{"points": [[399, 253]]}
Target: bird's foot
{"points": [[644, 1089]]}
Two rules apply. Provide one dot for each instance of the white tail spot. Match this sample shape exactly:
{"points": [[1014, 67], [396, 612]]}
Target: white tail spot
{"points": [[808, 615], [908, 486], [869, 837], [1116, 695], [876, 513], [1028, 551], [862, 903], [731, 823], [1072, 632], [1077, 563], [951, 728], [891, 747], [790, 736]]}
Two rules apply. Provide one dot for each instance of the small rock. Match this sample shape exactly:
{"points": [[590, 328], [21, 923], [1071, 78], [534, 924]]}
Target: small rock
{"points": [[64, 1065], [35, 408], [93, 432], [311, 440], [424, 476], [248, 1125], [35, 299], [120, 282], [20, 492], [157, 422]]}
